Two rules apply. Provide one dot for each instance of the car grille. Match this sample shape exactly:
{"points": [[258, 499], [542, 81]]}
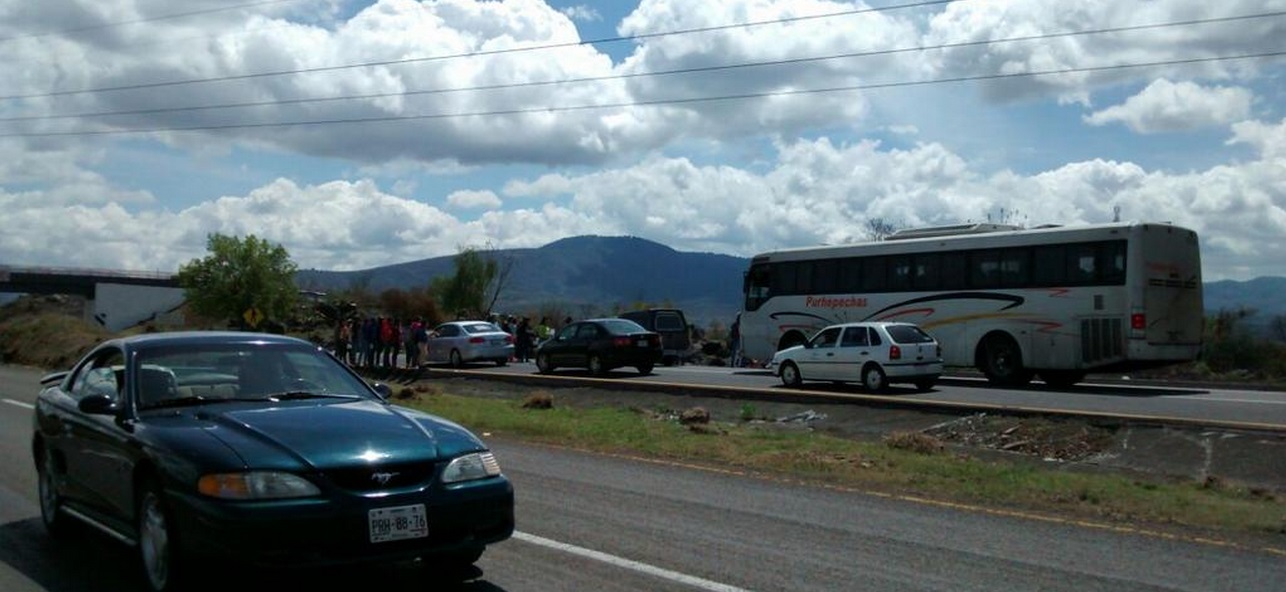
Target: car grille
{"points": [[370, 478]]}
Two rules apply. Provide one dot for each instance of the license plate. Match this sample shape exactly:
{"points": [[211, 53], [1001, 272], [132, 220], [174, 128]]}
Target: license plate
{"points": [[642, 343], [398, 523]]}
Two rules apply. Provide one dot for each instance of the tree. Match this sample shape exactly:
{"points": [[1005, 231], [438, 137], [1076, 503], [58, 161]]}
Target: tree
{"points": [[878, 229], [241, 275], [465, 293]]}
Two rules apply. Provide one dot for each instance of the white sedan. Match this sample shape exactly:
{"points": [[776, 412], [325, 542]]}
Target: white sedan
{"points": [[462, 342], [872, 353]]}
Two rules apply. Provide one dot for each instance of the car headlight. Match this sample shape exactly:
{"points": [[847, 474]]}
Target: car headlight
{"points": [[258, 485], [478, 465]]}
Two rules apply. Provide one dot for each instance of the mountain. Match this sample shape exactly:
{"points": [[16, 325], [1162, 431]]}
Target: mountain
{"points": [[1263, 295], [584, 275], [597, 274]]}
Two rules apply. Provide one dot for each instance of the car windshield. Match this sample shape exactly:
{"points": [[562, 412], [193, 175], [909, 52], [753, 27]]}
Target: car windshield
{"points": [[481, 328], [206, 373]]}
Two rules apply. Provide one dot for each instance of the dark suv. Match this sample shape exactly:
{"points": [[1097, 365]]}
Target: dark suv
{"points": [[671, 325]]}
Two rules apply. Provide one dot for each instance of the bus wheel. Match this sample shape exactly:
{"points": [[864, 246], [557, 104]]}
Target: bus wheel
{"points": [[1002, 361], [1061, 378]]}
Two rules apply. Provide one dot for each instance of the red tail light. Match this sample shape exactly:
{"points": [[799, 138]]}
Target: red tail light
{"points": [[895, 352], [477, 340], [620, 342], [509, 338], [1139, 321]]}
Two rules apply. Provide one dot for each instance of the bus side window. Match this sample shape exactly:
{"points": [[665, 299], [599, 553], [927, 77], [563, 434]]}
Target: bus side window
{"points": [[1112, 262], [1080, 264], [1047, 268], [873, 274], [955, 273], [984, 269]]}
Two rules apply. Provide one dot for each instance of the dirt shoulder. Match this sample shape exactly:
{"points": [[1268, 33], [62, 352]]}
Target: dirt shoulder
{"points": [[1253, 460]]}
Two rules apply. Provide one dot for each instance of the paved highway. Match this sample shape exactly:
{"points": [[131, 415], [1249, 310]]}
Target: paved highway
{"points": [[594, 522], [1222, 407]]}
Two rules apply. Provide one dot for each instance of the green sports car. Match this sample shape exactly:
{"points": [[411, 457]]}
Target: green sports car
{"points": [[260, 448]]}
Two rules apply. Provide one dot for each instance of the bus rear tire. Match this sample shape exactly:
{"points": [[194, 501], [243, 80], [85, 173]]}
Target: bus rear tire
{"points": [[1001, 361]]}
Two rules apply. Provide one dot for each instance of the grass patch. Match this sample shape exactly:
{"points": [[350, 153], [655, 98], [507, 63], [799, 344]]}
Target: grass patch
{"points": [[909, 463]]}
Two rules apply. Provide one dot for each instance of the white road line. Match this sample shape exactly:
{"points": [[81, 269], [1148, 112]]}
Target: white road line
{"points": [[651, 570], [1209, 400], [19, 403]]}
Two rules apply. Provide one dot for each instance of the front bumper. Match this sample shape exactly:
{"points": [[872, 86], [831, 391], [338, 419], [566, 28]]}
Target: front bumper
{"points": [[335, 530]]}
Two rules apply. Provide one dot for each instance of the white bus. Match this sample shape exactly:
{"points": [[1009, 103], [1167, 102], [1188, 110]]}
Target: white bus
{"points": [[1054, 301]]}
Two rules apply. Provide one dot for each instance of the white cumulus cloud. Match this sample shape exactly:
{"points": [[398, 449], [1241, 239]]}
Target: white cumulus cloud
{"points": [[1166, 106]]}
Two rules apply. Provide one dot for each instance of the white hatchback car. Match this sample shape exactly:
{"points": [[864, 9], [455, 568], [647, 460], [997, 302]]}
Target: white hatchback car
{"points": [[875, 354]]}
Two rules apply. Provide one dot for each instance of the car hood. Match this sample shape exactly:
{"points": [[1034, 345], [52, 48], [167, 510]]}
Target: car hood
{"points": [[788, 352], [335, 434]]}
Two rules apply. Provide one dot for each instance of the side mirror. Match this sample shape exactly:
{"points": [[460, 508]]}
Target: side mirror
{"points": [[98, 404], [385, 391]]}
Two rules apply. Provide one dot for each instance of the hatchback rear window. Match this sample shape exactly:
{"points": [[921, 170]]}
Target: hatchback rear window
{"points": [[908, 334]]}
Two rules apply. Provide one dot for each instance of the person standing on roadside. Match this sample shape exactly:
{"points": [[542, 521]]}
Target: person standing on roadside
{"points": [[523, 337]]}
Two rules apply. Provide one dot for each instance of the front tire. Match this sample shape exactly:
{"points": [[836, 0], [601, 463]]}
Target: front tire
{"points": [[157, 543], [456, 360], [543, 364], [873, 378], [1002, 362], [790, 375]]}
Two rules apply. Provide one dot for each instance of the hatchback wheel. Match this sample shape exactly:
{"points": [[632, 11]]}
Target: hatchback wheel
{"points": [[790, 375], [873, 378], [543, 364], [156, 541]]}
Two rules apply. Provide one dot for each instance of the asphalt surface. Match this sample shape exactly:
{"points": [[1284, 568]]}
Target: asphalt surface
{"points": [[599, 522]]}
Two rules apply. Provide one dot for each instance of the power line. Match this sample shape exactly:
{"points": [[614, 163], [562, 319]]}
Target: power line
{"points": [[657, 102], [177, 15], [641, 36], [692, 70]]}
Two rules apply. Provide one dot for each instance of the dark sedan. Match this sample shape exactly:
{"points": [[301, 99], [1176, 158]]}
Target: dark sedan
{"points": [[258, 448], [601, 345]]}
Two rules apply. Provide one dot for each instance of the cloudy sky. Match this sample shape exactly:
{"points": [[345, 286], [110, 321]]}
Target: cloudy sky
{"points": [[359, 134]]}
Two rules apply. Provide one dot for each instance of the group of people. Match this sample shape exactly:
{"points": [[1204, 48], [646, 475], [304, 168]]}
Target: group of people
{"points": [[382, 342], [389, 342], [527, 337]]}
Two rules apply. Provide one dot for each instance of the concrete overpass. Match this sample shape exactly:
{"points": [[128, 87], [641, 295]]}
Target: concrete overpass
{"points": [[116, 299]]}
